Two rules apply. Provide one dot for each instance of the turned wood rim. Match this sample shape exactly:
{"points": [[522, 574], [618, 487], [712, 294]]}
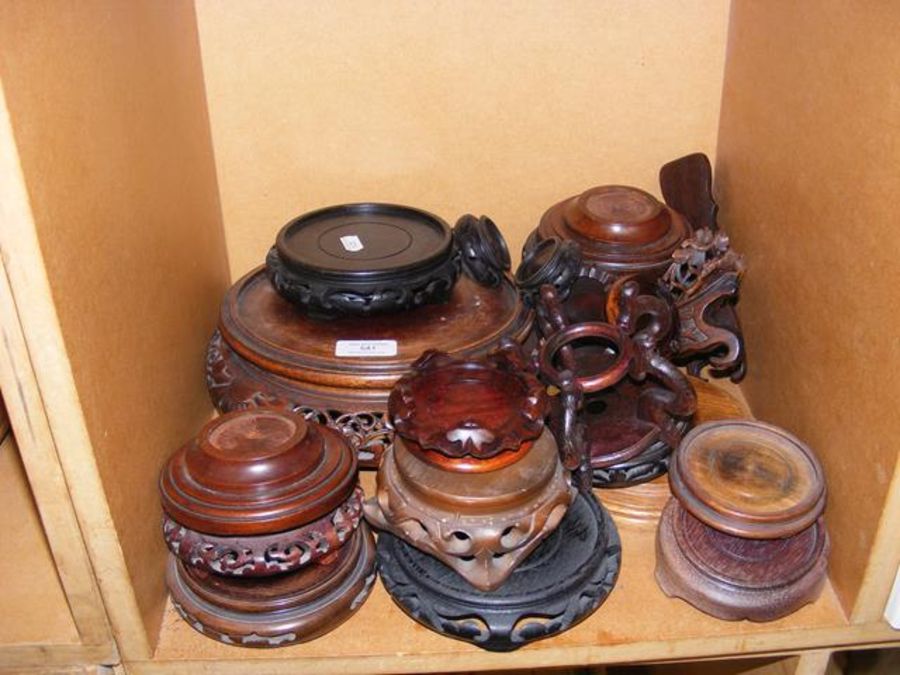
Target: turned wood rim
{"points": [[297, 264], [208, 496], [699, 500], [357, 374]]}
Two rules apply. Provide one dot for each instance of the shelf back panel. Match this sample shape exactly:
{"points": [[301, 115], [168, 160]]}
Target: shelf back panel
{"points": [[809, 149], [454, 106], [109, 117]]}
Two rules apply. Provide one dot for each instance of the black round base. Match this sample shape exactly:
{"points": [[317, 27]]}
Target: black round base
{"points": [[651, 463], [563, 581]]}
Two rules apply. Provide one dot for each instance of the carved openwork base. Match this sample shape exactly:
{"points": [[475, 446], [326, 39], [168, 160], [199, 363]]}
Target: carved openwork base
{"points": [[734, 578], [651, 463], [481, 525], [276, 611], [614, 427], [563, 581], [235, 384], [265, 555]]}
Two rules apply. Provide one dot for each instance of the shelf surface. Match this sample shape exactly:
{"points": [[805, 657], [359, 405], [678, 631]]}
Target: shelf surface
{"points": [[33, 608], [637, 622]]}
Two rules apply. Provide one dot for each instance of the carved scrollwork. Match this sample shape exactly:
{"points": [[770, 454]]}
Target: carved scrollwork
{"points": [[549, 261], [559, 584], [234, 384], [482, 248], [648, 319], [369, 433], [704, 278], [330, 298], [483, 547], [253, 556]]}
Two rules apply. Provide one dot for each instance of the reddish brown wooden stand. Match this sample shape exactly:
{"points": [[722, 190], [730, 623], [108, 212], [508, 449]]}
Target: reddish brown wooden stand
{"points": [[263, 521], [743, 536], [267, 352]]}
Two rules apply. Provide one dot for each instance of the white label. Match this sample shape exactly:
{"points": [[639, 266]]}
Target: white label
{"points": [[351, 242], [365, 348]]}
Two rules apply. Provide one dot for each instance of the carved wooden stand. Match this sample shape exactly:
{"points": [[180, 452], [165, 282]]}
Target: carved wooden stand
{"points": [[269, 353], [562, 582], [633, 403], [276, 611], [743, 536], [472, 497], [474, 478], [263, 521], [675, 248]]}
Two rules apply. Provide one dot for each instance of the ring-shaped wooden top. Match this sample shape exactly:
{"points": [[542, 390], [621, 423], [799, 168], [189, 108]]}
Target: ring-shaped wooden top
{"points": [[590, 329], [748, 479], [258, 471]]}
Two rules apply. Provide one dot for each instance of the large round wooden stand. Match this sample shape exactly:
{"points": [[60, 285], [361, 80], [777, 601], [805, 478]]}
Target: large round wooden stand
{"points": [[565, 579]]}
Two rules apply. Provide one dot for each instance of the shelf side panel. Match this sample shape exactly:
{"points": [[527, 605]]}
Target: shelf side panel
{"points": [[108, 109], [807, 175]]}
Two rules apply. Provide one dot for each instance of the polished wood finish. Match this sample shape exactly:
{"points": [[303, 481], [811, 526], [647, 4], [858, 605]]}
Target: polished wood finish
{"points": [[748, 478], [276, 612], [705, 274], [743, 536], [622, 419], [686, 185], [257, 472], [362, 259], [265, 554], [641, 505], [482, 248], [562, 582], [681, 255], [269, 353], [468, 408], [621, 230], [736, 578]]}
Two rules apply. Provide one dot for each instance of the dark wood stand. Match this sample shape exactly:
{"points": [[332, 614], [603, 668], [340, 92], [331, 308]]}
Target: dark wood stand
{"points": [[276, 611], [563, 581], [262, 515]]}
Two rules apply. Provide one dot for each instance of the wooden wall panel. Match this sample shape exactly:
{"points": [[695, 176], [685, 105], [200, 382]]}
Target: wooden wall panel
{"points": [[109, 116], [498, 107], [808, 159]]}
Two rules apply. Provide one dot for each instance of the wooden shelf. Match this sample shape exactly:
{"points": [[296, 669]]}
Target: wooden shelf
{"points": [[33, 607], [637, 623]]}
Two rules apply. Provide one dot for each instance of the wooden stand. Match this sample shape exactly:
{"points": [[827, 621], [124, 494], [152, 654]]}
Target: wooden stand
{"points": [[743, 536], [563, 581], [267, 352], [263, 521], [277, 611]]}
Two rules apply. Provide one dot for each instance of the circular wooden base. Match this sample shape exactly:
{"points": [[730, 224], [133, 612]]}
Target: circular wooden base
{"points": [[563, 581], [276, 611], [649, 464], [737, 578]]}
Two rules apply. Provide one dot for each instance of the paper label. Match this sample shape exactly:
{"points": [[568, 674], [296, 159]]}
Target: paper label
{"points": [[365, 348], [351, 242]]}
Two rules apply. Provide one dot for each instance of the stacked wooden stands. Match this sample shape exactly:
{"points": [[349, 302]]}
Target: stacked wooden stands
{"points": [[263, 520], [743, 536], [485, 537]]}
